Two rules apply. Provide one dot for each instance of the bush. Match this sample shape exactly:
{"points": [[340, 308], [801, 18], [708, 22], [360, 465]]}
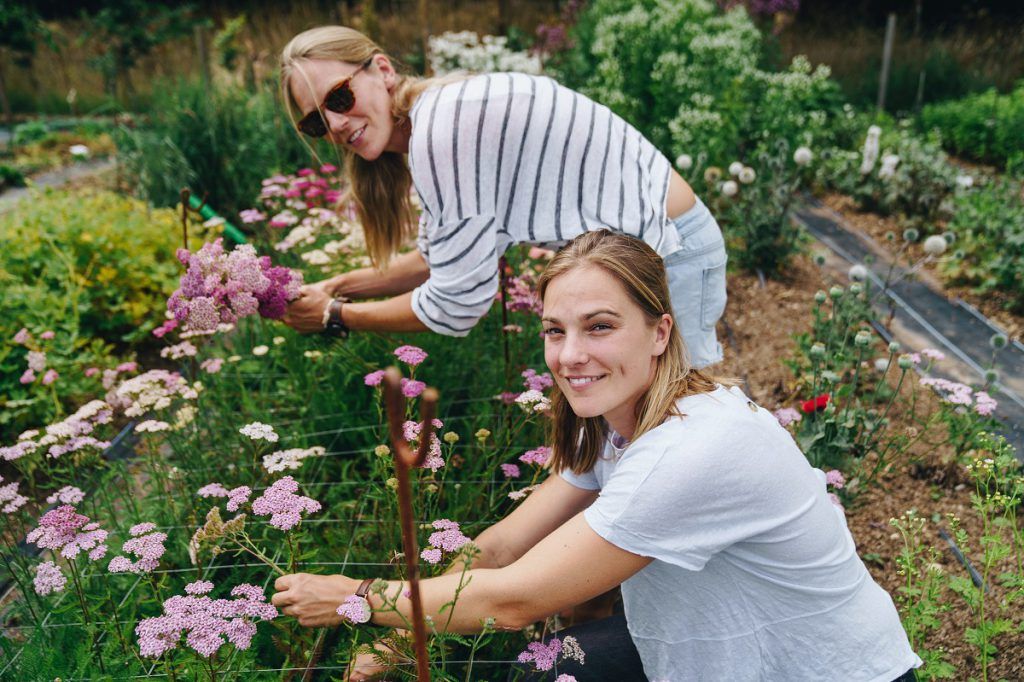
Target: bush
{"points": [[989, 229], [986, 127], [93, 269], [10, 177], [218, 142]]}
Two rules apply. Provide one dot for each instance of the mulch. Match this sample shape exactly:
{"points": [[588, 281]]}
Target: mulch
{"points": [[757, 332]]}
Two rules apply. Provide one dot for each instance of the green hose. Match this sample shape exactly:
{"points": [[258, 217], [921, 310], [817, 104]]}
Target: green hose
{"points": [[230, 231]]}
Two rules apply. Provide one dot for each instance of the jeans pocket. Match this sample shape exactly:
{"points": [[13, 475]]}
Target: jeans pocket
{"points": [[712, 296]]}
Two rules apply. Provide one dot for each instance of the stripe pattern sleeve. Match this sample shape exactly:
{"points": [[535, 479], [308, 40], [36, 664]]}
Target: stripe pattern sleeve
{"points": [[463, 280]]}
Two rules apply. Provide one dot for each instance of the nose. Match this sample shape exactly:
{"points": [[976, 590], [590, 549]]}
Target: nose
{"points": [[573, 351], [335, 122]]}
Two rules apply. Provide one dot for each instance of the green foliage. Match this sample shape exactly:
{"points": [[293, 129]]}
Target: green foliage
{"points": [[986, 127], [30, 131], [220, 143], [91, 268], [10, 177], [989, 226]]}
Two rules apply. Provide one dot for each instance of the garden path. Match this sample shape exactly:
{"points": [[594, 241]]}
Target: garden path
{"points": [[923, 317], [55, 178]]}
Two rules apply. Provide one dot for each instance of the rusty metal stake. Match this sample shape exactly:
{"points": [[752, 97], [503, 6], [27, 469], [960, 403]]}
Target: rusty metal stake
{"points": [[406, 459], [184, 217]]}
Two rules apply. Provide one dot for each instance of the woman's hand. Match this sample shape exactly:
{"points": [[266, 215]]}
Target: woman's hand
{"points": [[365, 667], [306, 313], [313, 599]]}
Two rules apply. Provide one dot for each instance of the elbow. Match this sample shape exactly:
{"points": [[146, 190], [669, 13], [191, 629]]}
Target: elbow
{"points": [[518, 614]]}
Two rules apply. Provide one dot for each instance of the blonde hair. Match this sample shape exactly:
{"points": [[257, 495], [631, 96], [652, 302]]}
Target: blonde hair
{"points": [[379, 188], [578, 441]]}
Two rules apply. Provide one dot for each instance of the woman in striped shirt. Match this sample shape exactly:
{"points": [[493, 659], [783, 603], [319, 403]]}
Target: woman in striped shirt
{"points": [[496, 160]]}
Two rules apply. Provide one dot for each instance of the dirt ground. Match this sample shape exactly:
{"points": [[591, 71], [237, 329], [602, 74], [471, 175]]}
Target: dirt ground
{"points": [[757, 332]]}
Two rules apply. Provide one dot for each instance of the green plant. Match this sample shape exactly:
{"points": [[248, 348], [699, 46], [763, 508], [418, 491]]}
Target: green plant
{"points": [[220, 142], [987, 126], [10, 177]]}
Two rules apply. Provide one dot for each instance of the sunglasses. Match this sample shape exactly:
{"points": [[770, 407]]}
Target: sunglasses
{"points": [[340, 99]]}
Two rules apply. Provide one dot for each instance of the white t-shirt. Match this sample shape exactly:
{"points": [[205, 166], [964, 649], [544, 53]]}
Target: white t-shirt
{"points": [[755, 574]]}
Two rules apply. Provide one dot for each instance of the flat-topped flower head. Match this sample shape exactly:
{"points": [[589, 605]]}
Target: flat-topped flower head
{"points": [[49, 578], [69, 532], [258, 431], [290, 459], [538, 456], [69, 494], [146, 545], [11, 500], [410, 355], [355, 610], [282, 503]]}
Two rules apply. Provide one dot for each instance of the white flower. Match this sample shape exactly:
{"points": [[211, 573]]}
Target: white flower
{"points": [[935, 245], [684, 162], [858, 273], [730, 188], [260, 350], [278, 340], [79, 151], [874, 131], [747, 175], [803, 156], [152, 426], [259, 431], [889, 163], [290, 459], [533, 401], [734, 168], [965, 181], [870, 151], [215, 221], [234, 358]]}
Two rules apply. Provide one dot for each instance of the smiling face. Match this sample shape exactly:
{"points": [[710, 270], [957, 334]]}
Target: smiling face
{"points": [[368, 128], [599, 345]]}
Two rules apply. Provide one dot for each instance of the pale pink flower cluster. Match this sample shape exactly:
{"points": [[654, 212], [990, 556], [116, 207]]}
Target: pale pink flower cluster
{"points": [[956, 393], [152, 426], [236, 496], [533, 401], [290, 459], [221, 287], [49, 578], [69, 494], [259, 431], [146, 544], [206, 623], [411, 355], [9, 497], [510, 470], [355, 610], [835, 479], [151, 391], [185, 349], [517, 495], [211, 365], [538, 456], [71, 434], [787, 415], [542, 656], [537, 382], [447, 538], [412, 388], [411, 432], [374, 378], [284, 506], [109, 377], [66, 530], [521, 294]]}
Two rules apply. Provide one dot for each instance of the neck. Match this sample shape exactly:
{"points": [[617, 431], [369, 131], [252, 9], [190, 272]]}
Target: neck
{"points": [[400, 135]]}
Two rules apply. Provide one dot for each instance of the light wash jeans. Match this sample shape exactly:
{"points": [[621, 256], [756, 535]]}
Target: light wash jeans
{"points": [[696, 282]]}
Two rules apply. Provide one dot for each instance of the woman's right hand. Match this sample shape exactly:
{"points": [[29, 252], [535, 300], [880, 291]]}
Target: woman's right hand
{"points": [[306, 313]]}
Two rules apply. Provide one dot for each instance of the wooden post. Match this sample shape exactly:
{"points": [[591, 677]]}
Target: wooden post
{"points": [[202, 50], [425, 35], [919, 101], [184, 217], [406, 459], [883, 79]]}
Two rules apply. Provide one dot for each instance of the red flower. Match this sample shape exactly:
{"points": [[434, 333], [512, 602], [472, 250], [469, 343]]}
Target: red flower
{"points": [[816, 403]]}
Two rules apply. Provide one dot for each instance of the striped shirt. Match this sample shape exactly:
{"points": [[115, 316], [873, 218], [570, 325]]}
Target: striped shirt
{"points": [[503, 159]]}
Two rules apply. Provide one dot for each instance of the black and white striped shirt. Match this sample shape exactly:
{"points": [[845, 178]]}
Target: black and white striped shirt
{"points": [[507, 158]]}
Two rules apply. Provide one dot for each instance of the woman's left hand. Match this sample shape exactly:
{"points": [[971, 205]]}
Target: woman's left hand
{"points": [[306, 313], [313, 599]]}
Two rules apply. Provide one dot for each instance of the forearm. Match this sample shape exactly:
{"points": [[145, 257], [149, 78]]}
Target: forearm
{"points": [[406, 272], [391, 315], [483, 596]]}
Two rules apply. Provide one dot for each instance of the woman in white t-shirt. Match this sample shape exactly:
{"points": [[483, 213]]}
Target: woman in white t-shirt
{"points": [[734, 564]]}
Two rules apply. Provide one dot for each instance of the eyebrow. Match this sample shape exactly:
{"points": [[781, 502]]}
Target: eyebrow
{"points": [[587, 316]]}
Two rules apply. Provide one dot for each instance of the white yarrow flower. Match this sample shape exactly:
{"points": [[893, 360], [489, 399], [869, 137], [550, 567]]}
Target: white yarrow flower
{"points": [[684, 162], [803, 156], [259, 431], [260, 350], [734, 168], [730, 188], [965, 181], [79, 151]]}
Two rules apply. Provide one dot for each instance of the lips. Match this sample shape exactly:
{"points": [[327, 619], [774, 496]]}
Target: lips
{"points": [[356, 136], [582, 381]]}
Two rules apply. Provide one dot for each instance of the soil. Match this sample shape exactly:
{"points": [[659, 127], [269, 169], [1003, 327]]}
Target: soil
{"points": [[877, 226], [757, 333]]}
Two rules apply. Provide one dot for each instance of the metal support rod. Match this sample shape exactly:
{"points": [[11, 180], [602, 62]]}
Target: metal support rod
{"points": [[406, 459]]}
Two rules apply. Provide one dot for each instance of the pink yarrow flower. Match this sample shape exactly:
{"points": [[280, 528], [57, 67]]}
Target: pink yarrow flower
{"points": [[410, 355], [146, 545], [22, 337], [542, 656], [538, 456], [69, 494], [411, 432], [787, 415], [537, 382], [70, 532], [510, 470], [835, 479], [283, 505], [374, 378], [412, 388], [355, 610], [49, 578], [447, 538]]}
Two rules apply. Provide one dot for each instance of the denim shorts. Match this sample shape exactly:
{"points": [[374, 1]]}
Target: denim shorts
{"points": [[696, 282]]}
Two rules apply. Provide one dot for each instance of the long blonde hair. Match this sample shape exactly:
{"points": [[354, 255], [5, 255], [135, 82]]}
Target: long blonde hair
{"points": [[379, 188], [578, 441]]}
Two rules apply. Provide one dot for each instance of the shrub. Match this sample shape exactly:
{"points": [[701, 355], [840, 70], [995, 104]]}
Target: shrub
{"points": [[93, 269], [989, 228], [218, 142], [986, 127]]}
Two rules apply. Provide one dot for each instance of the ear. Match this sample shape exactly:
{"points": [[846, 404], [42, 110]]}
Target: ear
{"points": [[662, 333], [387, 70]]}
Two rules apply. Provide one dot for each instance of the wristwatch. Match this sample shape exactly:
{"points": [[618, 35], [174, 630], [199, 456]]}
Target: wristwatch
{"points": [[333, 324]]}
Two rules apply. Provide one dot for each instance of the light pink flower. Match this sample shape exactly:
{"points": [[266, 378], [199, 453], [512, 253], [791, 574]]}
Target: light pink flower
{"points": [[22, 337], [50, 377], [510, 470], [835, 479], [787, 415], [410, 355], [355, 610], [47, 335], [374, 378], [412, 388], [49, 578]]}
